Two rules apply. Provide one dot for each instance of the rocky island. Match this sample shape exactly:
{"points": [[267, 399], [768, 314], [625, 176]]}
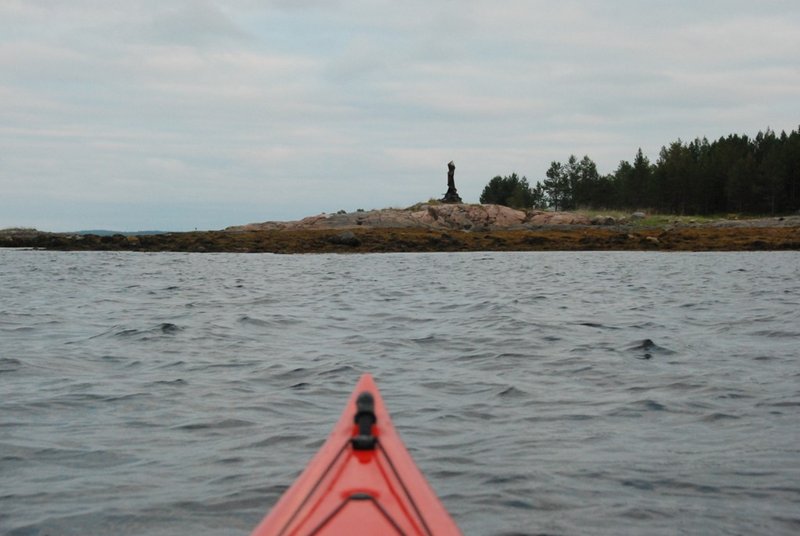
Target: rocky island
{"points": [[446, 224], [436, 226]]}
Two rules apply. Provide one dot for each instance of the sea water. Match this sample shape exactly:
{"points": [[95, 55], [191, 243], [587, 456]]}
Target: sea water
{"points": [[541, 393]]}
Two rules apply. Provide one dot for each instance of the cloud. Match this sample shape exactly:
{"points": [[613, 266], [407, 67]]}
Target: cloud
{"points": [[307, 106], [197, 23], [738, 41]]}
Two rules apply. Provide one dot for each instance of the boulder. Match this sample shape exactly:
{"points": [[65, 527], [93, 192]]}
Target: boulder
{"points": [[538, 217], [603, 220], [347, 238]]}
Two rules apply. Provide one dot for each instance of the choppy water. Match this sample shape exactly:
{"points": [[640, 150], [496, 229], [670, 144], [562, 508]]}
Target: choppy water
{"points": [[558, 393]]}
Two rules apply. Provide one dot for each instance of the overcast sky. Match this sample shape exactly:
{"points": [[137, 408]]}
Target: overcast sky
{"points": [[175, 115]]}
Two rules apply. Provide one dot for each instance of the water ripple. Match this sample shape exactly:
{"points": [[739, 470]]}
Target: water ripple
{"points": [[541, 393]]}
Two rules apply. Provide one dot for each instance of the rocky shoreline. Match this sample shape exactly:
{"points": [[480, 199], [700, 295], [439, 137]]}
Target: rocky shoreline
{"points": [[432, 228]]}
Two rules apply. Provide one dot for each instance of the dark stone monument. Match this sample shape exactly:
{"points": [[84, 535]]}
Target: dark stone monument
{"points": [[452, 194]]}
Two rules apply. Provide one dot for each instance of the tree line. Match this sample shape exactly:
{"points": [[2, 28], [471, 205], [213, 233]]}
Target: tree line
{"points": [[736, 173]]}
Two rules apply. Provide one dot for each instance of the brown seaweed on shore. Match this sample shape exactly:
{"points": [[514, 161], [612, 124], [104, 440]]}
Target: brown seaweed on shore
{"points": [[387, 240]]}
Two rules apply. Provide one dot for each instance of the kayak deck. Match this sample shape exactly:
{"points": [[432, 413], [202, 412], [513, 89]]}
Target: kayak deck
{"points": [[362, 481]]}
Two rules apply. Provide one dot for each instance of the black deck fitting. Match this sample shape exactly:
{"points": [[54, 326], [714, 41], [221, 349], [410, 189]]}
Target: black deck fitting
{"points": [[365, 418]]}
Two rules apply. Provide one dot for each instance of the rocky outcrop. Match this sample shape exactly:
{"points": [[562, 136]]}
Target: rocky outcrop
{"points": [[21, 233], [469, 217], [430, 216]]}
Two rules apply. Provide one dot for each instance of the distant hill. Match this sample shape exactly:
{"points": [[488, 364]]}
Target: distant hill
{"points": [[106, 232]]}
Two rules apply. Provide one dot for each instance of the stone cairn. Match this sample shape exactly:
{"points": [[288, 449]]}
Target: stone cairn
{"points": [[452, 194]]}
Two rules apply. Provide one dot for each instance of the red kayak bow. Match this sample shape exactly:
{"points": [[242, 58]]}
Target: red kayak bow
{"points": [[362, 481]]}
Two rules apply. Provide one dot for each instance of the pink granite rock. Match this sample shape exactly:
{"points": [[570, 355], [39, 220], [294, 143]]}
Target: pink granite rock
{"points": [[444, 216]]}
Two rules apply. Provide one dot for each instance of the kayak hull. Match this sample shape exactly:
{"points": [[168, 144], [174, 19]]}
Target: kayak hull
{"points": [[366, 485]]}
